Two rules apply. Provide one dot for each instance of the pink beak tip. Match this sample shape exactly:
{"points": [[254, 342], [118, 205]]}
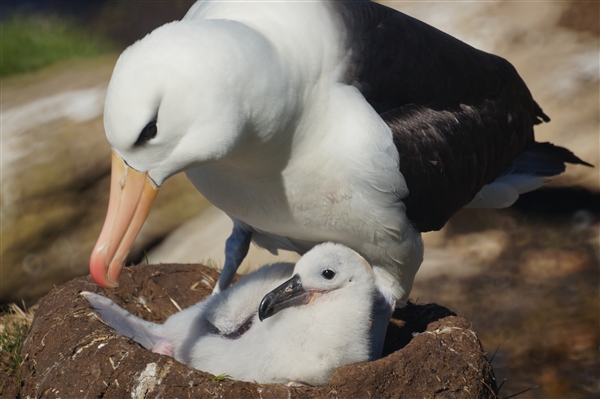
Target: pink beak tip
{"points": [[100, 274]]}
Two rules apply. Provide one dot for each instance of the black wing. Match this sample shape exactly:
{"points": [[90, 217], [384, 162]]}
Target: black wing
{"points": [[459, 115]]}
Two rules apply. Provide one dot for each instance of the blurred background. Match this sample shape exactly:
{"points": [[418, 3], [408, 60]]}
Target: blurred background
{"points": [[526, 277]]}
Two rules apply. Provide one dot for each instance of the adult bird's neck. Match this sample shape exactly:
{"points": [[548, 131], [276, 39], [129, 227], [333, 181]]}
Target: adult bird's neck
{"points": [[270, 92], [287, 56]]}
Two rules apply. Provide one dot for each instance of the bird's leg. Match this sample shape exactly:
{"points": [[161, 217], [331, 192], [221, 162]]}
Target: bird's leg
{"points": [[164, 347], [236, 249], [382, 312]]}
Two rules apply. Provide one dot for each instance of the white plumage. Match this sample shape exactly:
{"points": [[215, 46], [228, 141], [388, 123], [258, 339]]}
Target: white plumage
{"points": [[309, 122], [227, 101], [314, 323]]}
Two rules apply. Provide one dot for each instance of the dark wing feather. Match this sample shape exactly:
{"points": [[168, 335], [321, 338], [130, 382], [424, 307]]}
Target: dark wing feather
{"points": [[459, 115]]}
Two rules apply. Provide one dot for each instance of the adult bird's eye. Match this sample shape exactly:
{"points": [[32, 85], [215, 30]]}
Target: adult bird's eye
{"points": [[147, 134], [328, 274]]}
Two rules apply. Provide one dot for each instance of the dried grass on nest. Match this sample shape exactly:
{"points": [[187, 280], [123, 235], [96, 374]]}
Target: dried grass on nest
{"points": [[14, 325]]}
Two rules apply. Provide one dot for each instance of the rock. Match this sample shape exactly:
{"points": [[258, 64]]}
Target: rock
{"points": [[430, 352], [535, 304]]}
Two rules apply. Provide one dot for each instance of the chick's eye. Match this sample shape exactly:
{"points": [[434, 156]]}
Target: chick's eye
{"points": [[328, 274], [147, 134]]}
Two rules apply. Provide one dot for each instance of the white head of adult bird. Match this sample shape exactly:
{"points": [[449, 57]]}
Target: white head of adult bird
{"points": [[318, 121], [302, 330]]}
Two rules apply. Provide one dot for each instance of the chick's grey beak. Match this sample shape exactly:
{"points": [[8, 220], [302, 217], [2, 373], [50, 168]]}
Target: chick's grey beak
{"points": [[290, 293]]}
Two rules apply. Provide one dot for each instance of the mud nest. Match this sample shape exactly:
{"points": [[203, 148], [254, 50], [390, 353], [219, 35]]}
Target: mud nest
{"points": [[70, 353]]}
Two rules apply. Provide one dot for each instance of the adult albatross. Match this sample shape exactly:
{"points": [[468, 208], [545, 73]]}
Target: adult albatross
{"points": [[317, 121]]}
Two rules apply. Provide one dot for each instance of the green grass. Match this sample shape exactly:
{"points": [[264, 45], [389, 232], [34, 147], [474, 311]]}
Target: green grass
{"points": [[221, 377], [29, 43], [213, 264], [14, 325], [11, 340]]}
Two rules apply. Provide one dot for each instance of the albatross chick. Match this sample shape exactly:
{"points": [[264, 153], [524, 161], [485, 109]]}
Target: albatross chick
{"points": [[270, 326]]}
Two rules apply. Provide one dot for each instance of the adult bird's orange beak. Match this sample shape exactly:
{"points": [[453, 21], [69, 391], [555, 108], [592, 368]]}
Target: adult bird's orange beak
{"points": [[131, 196]]}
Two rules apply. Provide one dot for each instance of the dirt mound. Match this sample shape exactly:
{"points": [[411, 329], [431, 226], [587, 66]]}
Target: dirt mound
{"points": [[70, 352]]}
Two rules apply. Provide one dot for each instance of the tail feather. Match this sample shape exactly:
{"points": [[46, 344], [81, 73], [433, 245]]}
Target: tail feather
{"points": [[141, 331], [528, 172], [541, 117], [543, 159]]}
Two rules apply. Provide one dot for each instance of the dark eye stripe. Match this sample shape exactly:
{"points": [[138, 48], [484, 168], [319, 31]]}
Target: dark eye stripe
{"points": [[147, 134]]}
